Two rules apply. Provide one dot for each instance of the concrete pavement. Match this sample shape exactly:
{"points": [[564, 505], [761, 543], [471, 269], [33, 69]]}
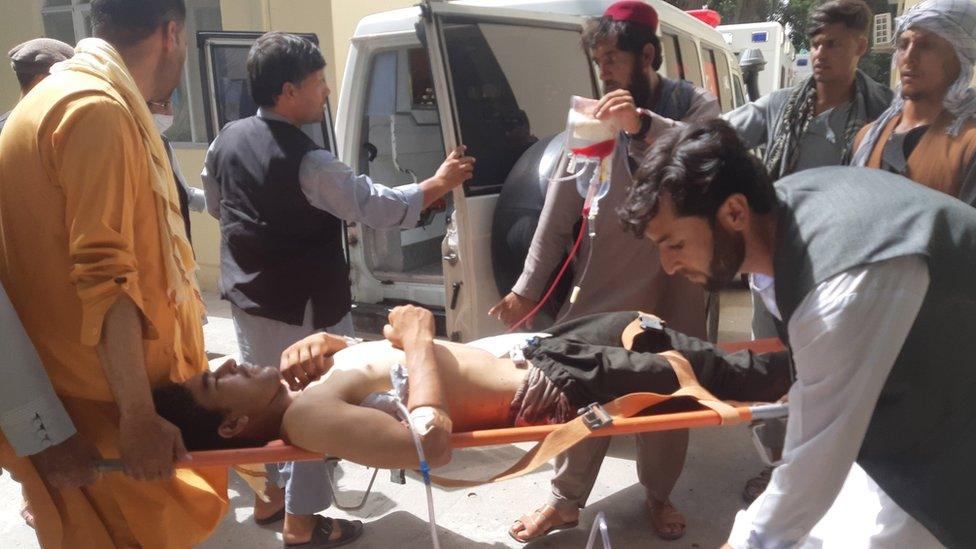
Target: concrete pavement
{"points": [[719, 462]]}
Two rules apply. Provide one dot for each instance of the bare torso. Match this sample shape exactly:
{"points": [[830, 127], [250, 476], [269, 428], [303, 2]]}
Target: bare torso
{"points": [[479, 386]]}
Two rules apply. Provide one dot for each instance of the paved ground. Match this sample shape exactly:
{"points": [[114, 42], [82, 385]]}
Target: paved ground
{"points": [[719, 462]]}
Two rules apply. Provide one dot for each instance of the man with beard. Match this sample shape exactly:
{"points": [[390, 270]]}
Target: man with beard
{"points": [[641, 102], [870, 281], [813, 124], [96, 262], [929, 134]]}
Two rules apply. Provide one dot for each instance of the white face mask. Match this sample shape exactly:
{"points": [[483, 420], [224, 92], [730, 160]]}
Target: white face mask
{"points": [[163, 122]]}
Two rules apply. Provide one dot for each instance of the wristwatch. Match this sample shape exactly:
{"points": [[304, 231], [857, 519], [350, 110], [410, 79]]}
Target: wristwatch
{"points": [[645, 126]]}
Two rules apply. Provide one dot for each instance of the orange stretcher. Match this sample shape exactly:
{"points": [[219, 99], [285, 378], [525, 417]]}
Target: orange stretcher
{"points": [[277, 451]]}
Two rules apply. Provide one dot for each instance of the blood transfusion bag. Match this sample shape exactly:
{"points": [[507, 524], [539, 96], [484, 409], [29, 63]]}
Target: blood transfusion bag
{"points": [[589, 147]]}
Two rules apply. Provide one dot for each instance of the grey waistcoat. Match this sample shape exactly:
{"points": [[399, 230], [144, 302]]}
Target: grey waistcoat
{"points": [[920, 446]]}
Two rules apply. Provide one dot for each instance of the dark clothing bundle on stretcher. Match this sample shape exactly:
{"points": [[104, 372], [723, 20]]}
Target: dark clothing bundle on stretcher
{"points": [[585, 360]]}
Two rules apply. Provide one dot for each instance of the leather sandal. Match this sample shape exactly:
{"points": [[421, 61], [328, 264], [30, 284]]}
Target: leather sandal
{"points": [[663, 516], [541, 522], [351, 530]]}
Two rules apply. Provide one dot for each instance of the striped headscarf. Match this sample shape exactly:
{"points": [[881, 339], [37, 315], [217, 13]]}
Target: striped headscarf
{"points": [[955, 21]]}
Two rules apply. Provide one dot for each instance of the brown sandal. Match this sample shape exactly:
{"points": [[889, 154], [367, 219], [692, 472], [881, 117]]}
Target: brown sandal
{"points": [[541, 522], [664, 515]]}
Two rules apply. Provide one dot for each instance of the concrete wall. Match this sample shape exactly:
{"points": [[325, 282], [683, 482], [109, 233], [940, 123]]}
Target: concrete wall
{"points": [[333, 21], [20, 21]]}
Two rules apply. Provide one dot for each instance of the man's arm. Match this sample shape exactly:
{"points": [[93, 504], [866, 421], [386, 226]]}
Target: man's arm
{"points": [[32, 417], [846, 336], [27, 393], [704, 106], [320, 419], [412, 329], [751, 121], [148, 443], [332, 186], [211, 187], [321, 422], [101, 168]]}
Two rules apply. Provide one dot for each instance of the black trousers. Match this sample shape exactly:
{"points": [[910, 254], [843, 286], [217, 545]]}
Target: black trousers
{"points": [[585, 359]]}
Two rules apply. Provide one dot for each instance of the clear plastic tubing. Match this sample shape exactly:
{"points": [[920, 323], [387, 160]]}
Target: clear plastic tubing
{"points": [[425, 471], [599, 524]]}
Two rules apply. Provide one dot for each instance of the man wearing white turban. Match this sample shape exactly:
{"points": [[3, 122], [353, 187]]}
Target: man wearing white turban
{"points": [[929, 132]]}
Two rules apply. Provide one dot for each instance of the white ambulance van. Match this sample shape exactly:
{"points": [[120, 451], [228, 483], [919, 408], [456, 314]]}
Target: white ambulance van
{"points": [[494, 75], [771, 39]]}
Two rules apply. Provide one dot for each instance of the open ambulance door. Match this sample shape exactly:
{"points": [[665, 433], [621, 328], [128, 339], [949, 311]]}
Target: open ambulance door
{"points": [[503, 79]]}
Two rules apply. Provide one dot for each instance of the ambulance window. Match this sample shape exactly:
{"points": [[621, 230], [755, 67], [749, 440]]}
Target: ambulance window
{"points": [[689, 60], [401, 132], [672, 57], [710, 73], [421, 81], [401, 143], [724, 80], [512, 86]]}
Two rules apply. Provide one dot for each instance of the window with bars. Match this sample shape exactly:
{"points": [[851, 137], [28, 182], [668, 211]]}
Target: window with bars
{"points": [[67, 20], [882, 29]]}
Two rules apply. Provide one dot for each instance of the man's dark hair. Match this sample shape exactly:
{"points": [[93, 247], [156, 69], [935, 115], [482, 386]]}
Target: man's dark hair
{"points": [[698, 167], [853, 14], [127, 22], [629, 37], [175, 404], [25, 80], [277, 58]]}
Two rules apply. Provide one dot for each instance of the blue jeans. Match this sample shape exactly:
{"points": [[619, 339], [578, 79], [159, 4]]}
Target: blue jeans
{"points": [[307, 484]]}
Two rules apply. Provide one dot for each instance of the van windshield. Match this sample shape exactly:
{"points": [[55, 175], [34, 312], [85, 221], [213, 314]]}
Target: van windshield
{"points": [[512, 85]]}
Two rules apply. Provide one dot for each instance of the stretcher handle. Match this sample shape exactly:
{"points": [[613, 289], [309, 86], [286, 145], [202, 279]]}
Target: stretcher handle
{"points": [[278, 451]]}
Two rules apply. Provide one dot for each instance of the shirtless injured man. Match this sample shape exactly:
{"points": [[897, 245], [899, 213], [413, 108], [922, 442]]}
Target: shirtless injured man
{"points": [[449, 386]]}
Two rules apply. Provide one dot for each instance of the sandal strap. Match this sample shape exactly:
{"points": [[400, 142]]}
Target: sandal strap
{"points": [[666, 513], [540, 520]]}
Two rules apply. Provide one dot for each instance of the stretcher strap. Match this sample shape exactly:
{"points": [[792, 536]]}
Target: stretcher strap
{"points": [[571, 433], [256, 477]]}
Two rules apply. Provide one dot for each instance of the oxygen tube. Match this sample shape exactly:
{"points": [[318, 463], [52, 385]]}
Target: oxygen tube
{"points": [[590, 144], [397, 378]]}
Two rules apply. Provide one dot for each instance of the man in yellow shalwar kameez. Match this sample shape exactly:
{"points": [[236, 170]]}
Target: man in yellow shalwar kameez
{"points": [[95, 259]]}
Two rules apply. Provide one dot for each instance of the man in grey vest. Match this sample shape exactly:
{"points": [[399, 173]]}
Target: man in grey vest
{"points": [[628, 53], [869, 278], [812, 124], [281, 200]]}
